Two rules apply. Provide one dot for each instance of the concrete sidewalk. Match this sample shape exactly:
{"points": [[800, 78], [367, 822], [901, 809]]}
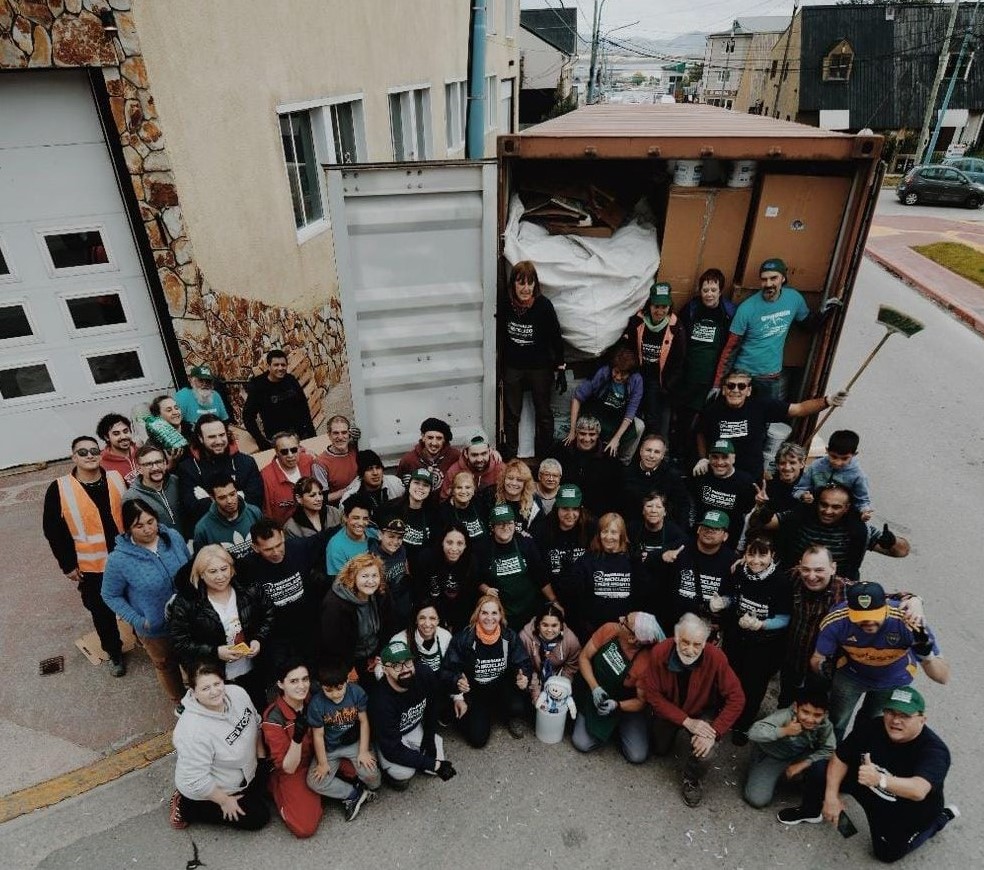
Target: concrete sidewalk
{"points": [[890, 245]]}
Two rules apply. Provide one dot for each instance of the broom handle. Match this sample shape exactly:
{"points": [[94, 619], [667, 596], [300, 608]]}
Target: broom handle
{"points": [[850, 384]]}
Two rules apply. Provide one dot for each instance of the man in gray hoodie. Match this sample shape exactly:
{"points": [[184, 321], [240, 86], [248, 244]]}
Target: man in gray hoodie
{"points": [[229, 519], [156, 487]]}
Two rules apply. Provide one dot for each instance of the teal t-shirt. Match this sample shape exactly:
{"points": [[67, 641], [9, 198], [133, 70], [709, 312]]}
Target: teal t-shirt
{"points": [[764, 327]]}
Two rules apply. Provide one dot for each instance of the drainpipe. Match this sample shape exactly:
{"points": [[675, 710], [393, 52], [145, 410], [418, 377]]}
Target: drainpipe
{"points": [[475, 128]]}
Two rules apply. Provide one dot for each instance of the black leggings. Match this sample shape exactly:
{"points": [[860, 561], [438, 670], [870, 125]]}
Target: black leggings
{"points": [[498, 700], [252, 801]]}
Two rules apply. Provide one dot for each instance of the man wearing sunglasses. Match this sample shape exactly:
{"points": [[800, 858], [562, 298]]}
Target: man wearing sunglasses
{"points": [[278, 399], [744, 420], [289, 464], [82, 517]]}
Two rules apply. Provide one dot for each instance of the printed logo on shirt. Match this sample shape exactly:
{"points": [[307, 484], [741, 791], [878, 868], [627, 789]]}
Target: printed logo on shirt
{"points": [[709, 584], [612, 584], [755, 608], [474, 527], [412, 716], [239, 546], [612, 656], [715, 498], [520, 333], [340, 717], [775, 323], [733, 429], [650, 351], [507, 565], [241, 726], [558, 558], [704, 332], [486, 670], [413, 537], [286, 591]]}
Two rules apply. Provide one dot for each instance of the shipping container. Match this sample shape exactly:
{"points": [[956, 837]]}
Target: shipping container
{"points": [[420, 246]]}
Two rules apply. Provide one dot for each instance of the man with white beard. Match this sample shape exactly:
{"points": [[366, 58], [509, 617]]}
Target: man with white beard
{"points": [[201, 397], [689, 684]]}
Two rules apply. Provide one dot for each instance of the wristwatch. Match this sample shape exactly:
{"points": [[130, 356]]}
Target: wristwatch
{"points": [[883, 782]]}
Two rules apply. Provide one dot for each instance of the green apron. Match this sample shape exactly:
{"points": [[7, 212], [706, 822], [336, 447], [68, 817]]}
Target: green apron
{"points": [[609, 407], [610, 667], [519, 595]]}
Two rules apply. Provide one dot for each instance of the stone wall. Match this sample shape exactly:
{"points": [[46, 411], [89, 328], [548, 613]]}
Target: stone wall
{"points": [[211, 324]]}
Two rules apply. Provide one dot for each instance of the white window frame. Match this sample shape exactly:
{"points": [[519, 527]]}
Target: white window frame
{"points": [[323, 133], [512, 104], [458, 89], [85, 356], [11, 275], [509, 11], [408, 113], [35, 337], [491, 103], [70, 271], [127, 326], [490, 17], [37, 399]]}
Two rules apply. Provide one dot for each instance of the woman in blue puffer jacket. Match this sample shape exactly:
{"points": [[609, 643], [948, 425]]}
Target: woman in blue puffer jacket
{"points": [[139, 581]]}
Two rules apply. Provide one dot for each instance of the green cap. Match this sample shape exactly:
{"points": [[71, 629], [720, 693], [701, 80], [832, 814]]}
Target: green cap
{"points": [[395, 652], [773, 264], [569, 495], [204, 372], [502, 513], [423, 475], [722, 445], [659, 294], [715, 520], [905, 700]]}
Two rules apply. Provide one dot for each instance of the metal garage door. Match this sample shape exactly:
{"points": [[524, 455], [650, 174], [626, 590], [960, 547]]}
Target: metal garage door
{"points": [[78, 332], [415, 249]]}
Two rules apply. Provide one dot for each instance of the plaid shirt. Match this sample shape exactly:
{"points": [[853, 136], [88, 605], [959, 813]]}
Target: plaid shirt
{"points": [[809, 608]]}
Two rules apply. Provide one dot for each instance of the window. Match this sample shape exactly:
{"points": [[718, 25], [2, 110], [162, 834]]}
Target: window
{"points": [[96, 310], [491, 109], [6, 272], [724, 75], [951, 64], [455, 114], [14, 322], [75, 250], [23, 381], [838, 62], [327, 130], [297, 136], [773, 68], [410, 124], [116, 366], [506, 105]]}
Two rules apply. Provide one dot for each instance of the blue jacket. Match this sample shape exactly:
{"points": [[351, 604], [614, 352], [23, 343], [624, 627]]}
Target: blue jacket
{"points": [[138, 582]]}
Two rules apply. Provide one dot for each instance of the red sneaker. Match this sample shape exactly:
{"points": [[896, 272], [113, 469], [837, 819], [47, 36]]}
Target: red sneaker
{"points": [[174, 818]]}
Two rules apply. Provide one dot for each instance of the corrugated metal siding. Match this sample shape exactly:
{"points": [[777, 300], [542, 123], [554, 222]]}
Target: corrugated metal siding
{"points": [[414, 245], [894, 64]]}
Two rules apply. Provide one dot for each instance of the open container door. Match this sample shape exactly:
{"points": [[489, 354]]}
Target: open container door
{"points": [[415, 249]]}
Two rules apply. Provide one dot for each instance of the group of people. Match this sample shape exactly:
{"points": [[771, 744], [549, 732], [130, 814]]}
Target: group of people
{"points": [[330, 619]]}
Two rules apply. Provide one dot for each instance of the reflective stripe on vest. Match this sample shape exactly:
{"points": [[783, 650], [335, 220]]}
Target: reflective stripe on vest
{"points": [[84, 521]]}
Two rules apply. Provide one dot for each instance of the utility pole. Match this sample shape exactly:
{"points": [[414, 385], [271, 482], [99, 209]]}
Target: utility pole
{"points": [[729, 49], [785, 59], [953, 81], [937, 81], [595, 27]]}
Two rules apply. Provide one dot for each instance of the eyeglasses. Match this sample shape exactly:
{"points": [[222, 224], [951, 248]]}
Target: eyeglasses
{"points": [[151, 463], [400, 666], [88, 451], [736, 386], [284, 451]]}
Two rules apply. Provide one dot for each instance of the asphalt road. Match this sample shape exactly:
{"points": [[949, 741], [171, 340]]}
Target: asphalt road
{"points": [[521, 804]]}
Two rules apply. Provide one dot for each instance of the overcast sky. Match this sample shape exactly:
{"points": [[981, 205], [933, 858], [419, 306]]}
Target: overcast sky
{"points": [[663, 19]]}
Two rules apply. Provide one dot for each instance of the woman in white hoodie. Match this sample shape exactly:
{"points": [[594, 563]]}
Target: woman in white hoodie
{"points": [[216, 742]]}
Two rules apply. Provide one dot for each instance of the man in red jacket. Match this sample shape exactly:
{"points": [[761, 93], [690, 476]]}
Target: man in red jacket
{"points": [[690, 685]]}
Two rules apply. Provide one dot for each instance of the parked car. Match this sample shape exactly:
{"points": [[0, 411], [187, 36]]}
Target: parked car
{"points": [[942, 184], [972, 167]]}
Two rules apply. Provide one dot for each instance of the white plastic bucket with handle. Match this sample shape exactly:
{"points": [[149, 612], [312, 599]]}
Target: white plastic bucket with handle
{"points": [[687, 173], [741, 173], [550, 726]]}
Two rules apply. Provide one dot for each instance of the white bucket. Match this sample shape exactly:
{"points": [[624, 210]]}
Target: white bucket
{"points": [[741, 173], [687, 173], [550, 726]]}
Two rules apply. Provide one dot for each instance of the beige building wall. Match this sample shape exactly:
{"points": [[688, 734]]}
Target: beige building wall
{"points": [[502, 61], [755, 81], [787, 89], [543, 65]]}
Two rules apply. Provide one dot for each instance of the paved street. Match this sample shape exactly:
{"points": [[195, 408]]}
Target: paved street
{"points": [[528, 805]]}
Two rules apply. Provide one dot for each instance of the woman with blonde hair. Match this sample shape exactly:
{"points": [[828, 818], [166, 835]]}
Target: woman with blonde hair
{"points": [[517, 488], [213, 617], [606, 577], [356, 617], [491, 670]]}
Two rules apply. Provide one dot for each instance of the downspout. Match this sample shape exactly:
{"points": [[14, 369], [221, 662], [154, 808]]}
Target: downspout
{"points": [[475, 127]]}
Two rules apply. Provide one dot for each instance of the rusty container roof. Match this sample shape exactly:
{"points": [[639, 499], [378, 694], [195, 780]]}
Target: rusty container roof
{"points": [[681, 131]]}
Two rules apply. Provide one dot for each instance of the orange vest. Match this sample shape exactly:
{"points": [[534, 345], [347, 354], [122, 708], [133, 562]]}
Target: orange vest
{"points": [[84, 523], [664, 349]]}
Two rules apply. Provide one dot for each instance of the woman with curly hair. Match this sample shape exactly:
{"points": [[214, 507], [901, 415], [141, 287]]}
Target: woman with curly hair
{"points": [[356, 616], [517, 488]]}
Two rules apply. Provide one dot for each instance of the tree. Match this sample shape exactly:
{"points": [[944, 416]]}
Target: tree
{"points": [[638, 78]]}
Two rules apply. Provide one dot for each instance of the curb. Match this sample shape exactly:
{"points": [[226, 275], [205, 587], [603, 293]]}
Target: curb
{"points": [[76, 782], [970, 318]]}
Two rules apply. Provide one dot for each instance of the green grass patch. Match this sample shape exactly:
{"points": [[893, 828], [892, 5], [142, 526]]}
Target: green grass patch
{"points": [[964, 260]]}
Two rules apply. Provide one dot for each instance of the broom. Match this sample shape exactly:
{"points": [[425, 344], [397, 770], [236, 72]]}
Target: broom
{"points": [[896, 323]]}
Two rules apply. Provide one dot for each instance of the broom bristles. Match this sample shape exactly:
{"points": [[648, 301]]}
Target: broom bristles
{"points": [[898, 321]]}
